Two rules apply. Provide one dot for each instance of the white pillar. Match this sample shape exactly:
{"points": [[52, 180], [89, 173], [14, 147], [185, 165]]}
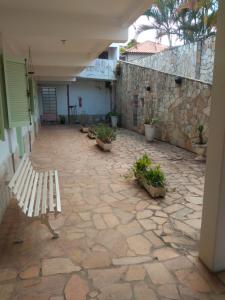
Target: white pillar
{"points": [[212, 242]]}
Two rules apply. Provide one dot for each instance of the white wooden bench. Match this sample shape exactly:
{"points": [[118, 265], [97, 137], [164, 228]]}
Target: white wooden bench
{"points": [[37, 193]]}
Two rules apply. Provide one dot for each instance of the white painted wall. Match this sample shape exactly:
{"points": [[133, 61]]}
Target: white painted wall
{"points": [[95, 97], [101, 69]]}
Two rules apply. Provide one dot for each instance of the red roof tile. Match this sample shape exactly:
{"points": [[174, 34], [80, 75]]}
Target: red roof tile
{"points": [[147, 47]]}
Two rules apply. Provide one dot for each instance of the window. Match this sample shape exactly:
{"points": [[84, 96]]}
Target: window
{"points": [[16, 92]]}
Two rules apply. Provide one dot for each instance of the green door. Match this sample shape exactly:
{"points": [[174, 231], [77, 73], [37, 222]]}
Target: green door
{"points": [[20, 141]]}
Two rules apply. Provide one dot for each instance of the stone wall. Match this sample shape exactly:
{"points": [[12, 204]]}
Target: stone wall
{"points": [[180, 108], [194, 61]]}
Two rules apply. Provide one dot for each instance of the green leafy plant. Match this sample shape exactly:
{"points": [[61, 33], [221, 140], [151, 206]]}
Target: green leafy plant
{"points": [[149, 119], [141, 165], [105, 133], [152, 121], [62, 119], [200, 129], [155, 176]]}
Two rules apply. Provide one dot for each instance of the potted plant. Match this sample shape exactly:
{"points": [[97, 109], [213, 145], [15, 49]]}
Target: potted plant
{"points": [[92, 132], [113, 117], [200, 145], [150, 129], [83, 121], [154, 182], [150, 177], [62, 119], [150, 122], [104, 137]]}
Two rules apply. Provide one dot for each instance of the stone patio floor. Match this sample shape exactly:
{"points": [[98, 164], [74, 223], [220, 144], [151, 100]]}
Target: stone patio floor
{"points": [[116, 243]]}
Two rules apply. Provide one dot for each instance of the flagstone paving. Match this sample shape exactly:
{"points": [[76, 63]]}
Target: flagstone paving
{"points": [[115, 241]]}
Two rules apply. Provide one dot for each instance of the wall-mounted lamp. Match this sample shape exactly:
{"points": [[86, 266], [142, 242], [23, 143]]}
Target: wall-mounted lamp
{"points": [[178, 80], [148, 88]]}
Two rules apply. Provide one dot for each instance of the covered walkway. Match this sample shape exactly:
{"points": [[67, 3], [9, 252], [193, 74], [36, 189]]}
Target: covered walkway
{"points": [[115, 242]]}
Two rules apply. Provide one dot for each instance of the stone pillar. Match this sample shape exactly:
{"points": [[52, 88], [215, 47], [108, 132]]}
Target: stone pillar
{"points": [[212, 242]]}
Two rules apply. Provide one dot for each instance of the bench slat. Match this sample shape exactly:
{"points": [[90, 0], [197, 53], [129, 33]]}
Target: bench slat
{"points": [[58, 201], [33, 196], [44, 194], [51, 204], [12, 182], [26, 203], [18, 195], [38, 199], [25, 187], [20, 177]]}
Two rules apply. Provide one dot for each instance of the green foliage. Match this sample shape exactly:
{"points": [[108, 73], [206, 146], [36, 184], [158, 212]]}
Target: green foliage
{"points": [[62, 119], [187, 20], [141, 165], [131, 43], [105, 133], [152, 121], [155, 177], [200, 129], [144, 170], [112, 114]]}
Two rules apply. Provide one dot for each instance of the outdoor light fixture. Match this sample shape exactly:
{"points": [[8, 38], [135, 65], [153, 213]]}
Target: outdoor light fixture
{"points": [[178, 80], [148, 88]]}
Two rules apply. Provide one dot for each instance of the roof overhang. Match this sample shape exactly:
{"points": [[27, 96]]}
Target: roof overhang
{"points": [[88, 27]]}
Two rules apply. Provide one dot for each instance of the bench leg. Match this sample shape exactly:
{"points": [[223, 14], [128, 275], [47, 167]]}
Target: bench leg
{"points": [[45, 221]]}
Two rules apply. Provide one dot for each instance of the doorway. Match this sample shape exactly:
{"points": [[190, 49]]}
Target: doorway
{"points": [[49, 104]]}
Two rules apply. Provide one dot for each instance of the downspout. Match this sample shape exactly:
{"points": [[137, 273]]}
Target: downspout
{"points": [[68, 102], [29, 110]]}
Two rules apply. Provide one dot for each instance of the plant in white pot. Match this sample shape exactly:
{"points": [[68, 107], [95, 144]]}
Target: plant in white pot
{"points": [[150, 129], [150, 123], [200, 146], [104, 137], [113, 117]]}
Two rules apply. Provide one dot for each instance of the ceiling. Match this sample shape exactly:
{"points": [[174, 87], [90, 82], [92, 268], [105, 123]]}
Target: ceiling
{"points": [[87, 27]]}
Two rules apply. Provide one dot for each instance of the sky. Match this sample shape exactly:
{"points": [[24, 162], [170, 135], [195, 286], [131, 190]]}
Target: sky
{"points": [[147, 35]]}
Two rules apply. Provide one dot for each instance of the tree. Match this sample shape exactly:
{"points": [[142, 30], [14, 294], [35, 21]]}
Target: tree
{"points": [[164, 16], [197, 19], [187, 20]]}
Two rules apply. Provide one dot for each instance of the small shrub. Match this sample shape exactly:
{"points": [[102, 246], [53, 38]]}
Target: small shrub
{"points": [[141, 165], [200, 129], [62, 119], [155, 177], [105, 133]]}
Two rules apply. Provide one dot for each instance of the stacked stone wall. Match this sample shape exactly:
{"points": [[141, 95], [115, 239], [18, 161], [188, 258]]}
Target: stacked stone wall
{"points": [[180, 108], [194, 61]]}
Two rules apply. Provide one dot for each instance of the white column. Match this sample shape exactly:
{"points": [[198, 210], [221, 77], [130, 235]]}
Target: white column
{"points": [[212, 242]]}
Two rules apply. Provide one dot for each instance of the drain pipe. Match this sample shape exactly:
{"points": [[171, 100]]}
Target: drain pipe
{"points": [[29, 103], [9, 131]]}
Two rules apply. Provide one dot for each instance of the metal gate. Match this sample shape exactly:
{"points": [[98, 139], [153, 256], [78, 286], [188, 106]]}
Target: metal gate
{"points": [[49, 104]]}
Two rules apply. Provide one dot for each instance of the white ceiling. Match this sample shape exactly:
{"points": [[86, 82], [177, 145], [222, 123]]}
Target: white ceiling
{"points": [[88, 26]]}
